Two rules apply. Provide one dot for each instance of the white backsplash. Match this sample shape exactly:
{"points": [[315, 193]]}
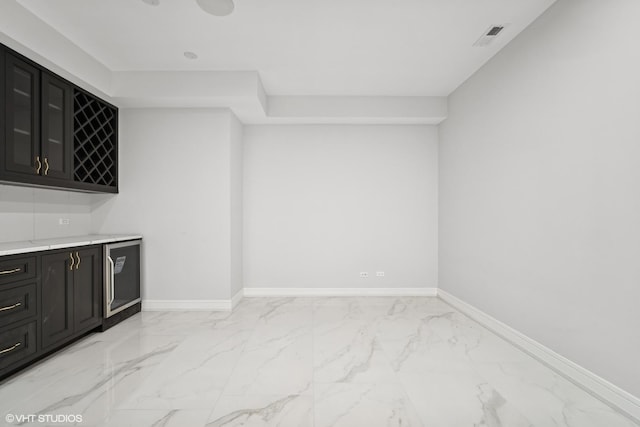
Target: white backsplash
{"points": [[34, 213]]}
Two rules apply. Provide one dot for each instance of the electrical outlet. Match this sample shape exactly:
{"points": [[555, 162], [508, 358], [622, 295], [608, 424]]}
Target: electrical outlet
{"points": [[364, 274], [380, 273], [63, 221]]}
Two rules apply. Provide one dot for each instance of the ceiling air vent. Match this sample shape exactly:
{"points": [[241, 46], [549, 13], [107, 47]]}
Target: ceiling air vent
{"points": [[490, 35]]}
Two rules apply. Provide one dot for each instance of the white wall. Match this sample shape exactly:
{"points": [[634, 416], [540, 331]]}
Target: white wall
{"points": [[34, 213], [323, 203], [540, 186], [236, 159], [175, 189]]}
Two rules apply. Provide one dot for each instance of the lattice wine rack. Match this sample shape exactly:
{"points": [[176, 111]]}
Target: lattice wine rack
{"points": [[95, 132]]}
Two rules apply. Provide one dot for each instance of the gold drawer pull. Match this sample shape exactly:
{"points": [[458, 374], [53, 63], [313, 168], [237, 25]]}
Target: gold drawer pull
{"points": [[46, 166], [39, 165], [78, 263], [15, 270], [73, 261], [8, 349], [11, 307]]}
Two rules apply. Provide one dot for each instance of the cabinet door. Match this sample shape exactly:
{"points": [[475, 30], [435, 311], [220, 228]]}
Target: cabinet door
{"points": [[22, 104], [3, 102], [57, 297], [87, 289], [57, 141]]}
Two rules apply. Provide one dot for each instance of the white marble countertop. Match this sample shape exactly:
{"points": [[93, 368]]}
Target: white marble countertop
{"points": [[27, 246]]}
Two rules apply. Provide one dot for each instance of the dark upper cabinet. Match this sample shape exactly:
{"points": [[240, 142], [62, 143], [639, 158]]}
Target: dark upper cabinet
{"points": [[95, 143], [22, 154], [71, 293], [57, 122], [53, 133], [3, 101]]}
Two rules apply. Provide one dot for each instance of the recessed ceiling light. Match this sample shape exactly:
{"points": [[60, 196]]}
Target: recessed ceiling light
{"points": [[216, 7], [152, 2], [190, 55]]}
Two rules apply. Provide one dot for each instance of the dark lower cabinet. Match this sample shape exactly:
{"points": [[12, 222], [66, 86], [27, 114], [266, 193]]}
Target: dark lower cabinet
{"points": [[17, 343], [57, 297], [71, 294], [14, 269], [87, 290], [18, 303], [47, 300], [19, 310]]}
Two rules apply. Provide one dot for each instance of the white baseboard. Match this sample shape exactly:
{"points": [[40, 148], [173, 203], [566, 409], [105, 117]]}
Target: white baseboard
{"points": [[187, 305], [582, 377], [339, 292], [235, 300], [193, 305]]}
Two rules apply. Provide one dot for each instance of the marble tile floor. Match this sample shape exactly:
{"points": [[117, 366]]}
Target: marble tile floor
{"points": [[323, 362]]}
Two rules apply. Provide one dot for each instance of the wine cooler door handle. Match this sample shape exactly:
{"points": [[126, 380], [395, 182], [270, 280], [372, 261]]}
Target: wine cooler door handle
{"points": [[112, 290], [107, 288]]}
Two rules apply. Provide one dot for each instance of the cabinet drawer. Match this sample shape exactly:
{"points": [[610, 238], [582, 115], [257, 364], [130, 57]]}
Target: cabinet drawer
{"points": [[17, 343], [14, 269], [17, 304]]}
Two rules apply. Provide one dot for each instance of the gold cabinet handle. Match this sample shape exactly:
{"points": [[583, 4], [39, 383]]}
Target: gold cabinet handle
{"points": [[78, 263], [46, 165], [11, 307], [15, 270], [73, 261], [8, 349], [39, 165]]}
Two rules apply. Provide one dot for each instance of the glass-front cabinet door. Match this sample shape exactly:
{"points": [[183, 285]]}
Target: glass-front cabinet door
{"points": [[56, 127], [22, 140]]}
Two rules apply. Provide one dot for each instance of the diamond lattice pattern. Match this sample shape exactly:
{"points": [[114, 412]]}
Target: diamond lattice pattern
{"points": [[94, 140]]}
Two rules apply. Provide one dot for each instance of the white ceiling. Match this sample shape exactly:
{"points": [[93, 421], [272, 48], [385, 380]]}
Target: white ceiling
{"points": [[299, 47]]}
